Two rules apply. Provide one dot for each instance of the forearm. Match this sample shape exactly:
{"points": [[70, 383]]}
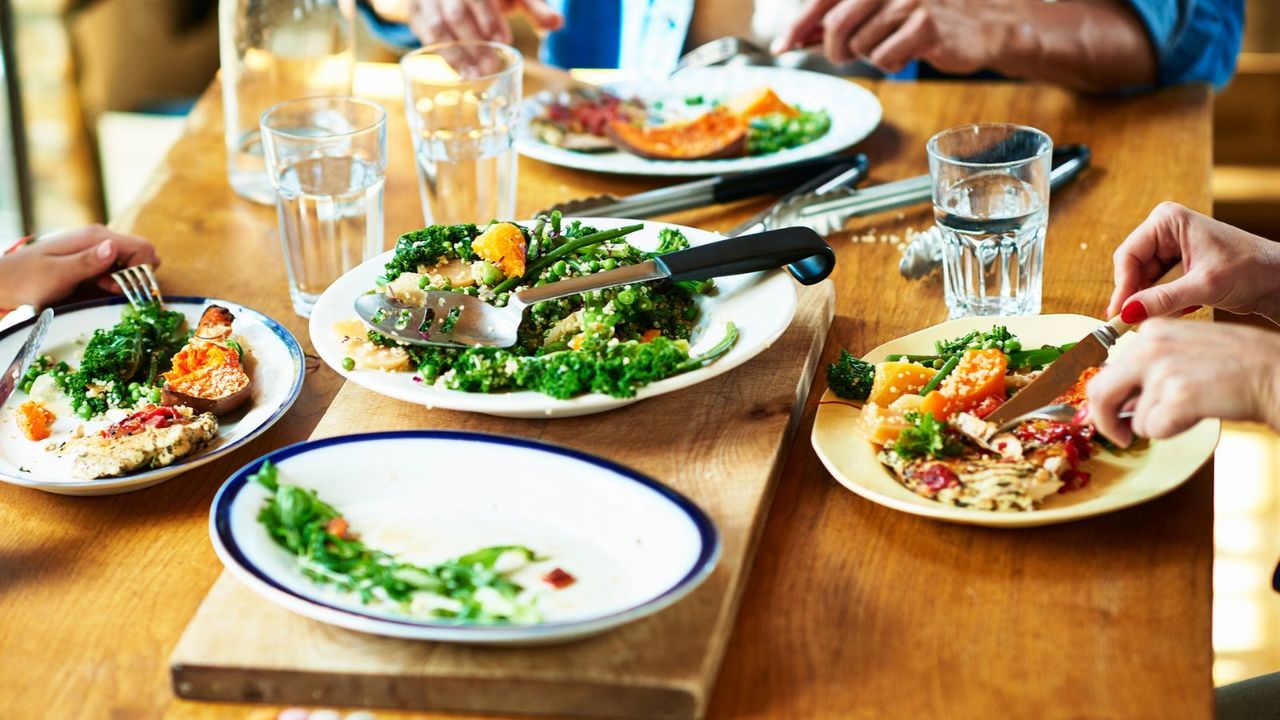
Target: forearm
{"points": [[1089, 45]]}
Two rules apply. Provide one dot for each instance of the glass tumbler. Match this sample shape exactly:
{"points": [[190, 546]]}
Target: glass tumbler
{"points": [[327, 159], [462, 103], [991, 204], [271, 51]]}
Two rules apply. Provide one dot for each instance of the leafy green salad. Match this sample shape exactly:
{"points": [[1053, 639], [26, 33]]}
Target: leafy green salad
{"points": [[611, 341], [121, 365], [473, 588]]}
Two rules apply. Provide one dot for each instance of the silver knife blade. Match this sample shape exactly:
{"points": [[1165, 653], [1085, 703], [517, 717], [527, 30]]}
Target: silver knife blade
{"points": [[1056, 379], [836, 177], [26, 354]]}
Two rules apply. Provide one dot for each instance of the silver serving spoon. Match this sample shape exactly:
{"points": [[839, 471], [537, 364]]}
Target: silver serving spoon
{"points": [[454, 319]]}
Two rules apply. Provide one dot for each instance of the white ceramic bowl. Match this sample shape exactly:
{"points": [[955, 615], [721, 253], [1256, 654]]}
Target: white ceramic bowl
{"points": [[762, 306], [633, 545]]}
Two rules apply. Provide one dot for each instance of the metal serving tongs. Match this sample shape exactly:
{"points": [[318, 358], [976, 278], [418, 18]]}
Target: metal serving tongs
{"points": [[701, 193], [454, 319]]}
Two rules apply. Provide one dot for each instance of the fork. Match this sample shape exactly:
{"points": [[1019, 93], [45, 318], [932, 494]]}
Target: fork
{"points": [[139, 285], [1058, 413], [718, 51]]}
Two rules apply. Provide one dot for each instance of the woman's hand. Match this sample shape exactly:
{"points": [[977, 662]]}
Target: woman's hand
{"points": [[959, 36], [47, 270], [437, 21], [1225, 267], [1176, 373]]}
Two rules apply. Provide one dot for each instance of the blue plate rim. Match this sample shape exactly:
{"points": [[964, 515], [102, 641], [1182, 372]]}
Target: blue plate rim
{"points": [[280, 331], [708, 534]]}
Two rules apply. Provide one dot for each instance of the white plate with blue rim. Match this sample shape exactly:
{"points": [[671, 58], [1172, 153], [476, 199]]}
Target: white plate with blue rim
{"points": [[630, 545], [761, 305], [854, 111], [275, 369]]}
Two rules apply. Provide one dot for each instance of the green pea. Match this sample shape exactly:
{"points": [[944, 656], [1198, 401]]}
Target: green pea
{"points": [[348, 364], [646, 304], [85, 412], [560, 268], [609, 264], [937, 364], [1012, 345], [627, 297], [154, 395]]}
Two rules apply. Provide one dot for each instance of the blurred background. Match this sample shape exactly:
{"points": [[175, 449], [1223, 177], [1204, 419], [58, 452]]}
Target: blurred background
{"points": [[96, 91]]}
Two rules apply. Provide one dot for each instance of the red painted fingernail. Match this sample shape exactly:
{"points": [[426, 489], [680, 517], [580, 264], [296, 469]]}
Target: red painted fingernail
{"points": [[1081, 416], [1133, 313], [1189, 310]]}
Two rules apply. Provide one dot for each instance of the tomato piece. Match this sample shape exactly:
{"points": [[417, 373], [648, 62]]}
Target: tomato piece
{"points": [[989, 405], [650, 335], [979, 375]]}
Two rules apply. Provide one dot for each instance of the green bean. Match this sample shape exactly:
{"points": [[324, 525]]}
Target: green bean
{"points": [[937, 379]]}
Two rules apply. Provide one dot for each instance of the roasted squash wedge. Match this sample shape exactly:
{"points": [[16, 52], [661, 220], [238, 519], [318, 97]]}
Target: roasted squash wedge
{"points": [[504, 246], [720, 133], [895, 379], [208, 374], [761, 101], [980, 374]]}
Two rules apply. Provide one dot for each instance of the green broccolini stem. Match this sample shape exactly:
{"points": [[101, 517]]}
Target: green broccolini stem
{"points": [[937, 379], [719, 349], [565, 249]]}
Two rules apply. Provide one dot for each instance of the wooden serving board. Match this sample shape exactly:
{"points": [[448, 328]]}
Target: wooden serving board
{"points": [[721, 442]]}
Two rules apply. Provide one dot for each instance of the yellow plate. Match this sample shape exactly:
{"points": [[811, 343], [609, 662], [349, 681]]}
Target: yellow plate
{"points": [[1119, 481]]}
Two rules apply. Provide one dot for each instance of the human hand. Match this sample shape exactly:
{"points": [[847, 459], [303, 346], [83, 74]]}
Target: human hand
{"points": [[1226, 267], [956, 36], [437, 21], [47, 270], [1176, 373]]}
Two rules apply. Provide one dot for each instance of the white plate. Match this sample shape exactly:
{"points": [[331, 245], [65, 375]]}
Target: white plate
{"points": [[633, 545], [854, 112], [760, 304], [1119, 481], [276, 371]]}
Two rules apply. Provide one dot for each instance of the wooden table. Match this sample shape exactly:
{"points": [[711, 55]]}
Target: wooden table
{"points": [[852, 610]]}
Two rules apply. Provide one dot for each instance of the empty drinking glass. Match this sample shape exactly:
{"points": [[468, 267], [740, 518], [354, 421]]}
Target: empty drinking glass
{"points": [[327, 158], [462, 102], [991, 203]]}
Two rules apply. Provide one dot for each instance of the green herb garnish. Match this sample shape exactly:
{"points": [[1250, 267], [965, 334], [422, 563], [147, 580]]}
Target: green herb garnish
{"points": [[926, 437]]}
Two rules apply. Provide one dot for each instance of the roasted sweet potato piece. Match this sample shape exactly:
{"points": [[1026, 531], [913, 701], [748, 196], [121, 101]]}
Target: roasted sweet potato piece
{"points": [[761, 101], [503, 245], [720, 133], [207, 374]]}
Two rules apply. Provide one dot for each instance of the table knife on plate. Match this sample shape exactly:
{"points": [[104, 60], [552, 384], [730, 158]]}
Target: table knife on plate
{"points": [[26, 354], [700, 193], [1090, 352]]}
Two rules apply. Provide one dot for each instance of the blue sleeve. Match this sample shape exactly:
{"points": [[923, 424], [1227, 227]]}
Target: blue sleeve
{"points": [[392, 33], [1195, 40]]}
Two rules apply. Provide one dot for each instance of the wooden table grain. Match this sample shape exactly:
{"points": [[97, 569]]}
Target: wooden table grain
{"points": [[851, 611]]}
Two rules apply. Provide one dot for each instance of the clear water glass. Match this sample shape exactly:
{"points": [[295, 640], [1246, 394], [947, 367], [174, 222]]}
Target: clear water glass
{"points": [[327, 160], [272, 51], [462, 103], [991, 204]]}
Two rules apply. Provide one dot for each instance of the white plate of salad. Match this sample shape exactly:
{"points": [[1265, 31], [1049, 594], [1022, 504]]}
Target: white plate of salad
{"points": [[700, 121], [560, 545], [902, 426], [114, 401], [576, 356]]}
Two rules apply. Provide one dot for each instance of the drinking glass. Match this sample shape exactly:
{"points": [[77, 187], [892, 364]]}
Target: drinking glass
{"points": [[274, 50], [327, 159], [462, 102], [991, 203]]}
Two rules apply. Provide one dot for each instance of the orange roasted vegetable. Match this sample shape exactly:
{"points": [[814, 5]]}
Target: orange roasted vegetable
{"points": [[35, 420], [502, 245], [978, 376], [894, 379], [720, 133], [761, 101], [880, 424], [207, 374]]}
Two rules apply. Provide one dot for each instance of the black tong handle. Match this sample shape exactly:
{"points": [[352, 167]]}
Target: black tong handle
{"points": [[800, 247]]}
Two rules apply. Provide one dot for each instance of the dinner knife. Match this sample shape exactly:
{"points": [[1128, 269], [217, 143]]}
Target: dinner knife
{"points": [[26, 354], [1090, 352], [700, 193]]}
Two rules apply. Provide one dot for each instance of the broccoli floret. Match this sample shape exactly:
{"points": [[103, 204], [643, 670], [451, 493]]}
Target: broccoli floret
{"points": [[428, 245], [671, 240], [997, 337], [850, 377]]}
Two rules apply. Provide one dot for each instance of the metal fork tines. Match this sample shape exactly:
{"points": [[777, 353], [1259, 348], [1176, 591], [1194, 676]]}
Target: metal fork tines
{"points": [[139, 285]]}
